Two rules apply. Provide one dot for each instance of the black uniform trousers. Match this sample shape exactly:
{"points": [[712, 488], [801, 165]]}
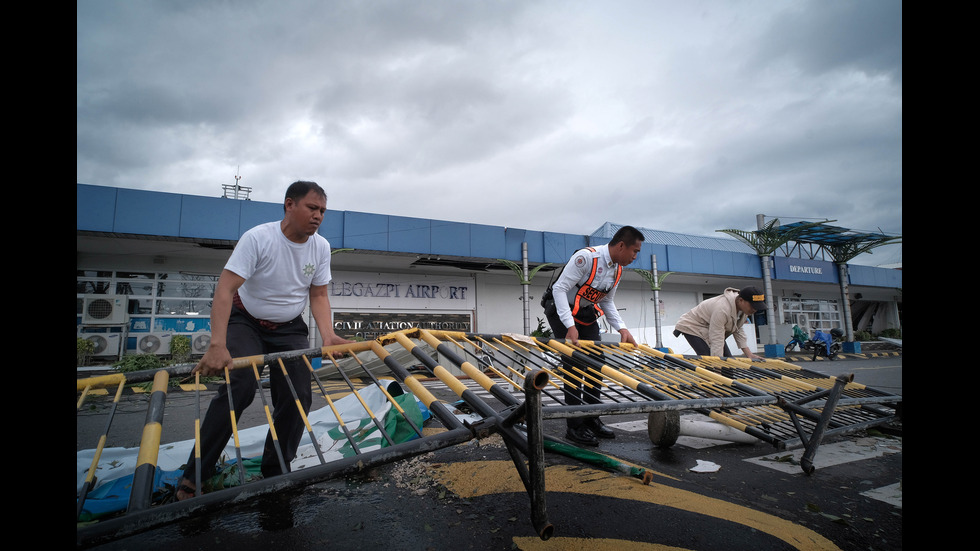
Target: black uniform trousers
{"points": [[248, 337], [700, 346], [575, 392]]}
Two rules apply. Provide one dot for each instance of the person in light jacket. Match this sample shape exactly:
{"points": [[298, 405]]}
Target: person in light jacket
{"points": [[707, 325]]}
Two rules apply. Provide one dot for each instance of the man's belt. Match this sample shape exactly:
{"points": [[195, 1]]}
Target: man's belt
{"points": [[236, 301]]}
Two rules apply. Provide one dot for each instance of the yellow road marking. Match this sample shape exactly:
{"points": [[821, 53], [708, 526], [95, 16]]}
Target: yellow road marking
{"points": [[590, 544], [477, 478]]}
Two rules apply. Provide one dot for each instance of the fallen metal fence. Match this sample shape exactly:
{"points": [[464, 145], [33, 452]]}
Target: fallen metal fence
{"points": [[771, 400]]}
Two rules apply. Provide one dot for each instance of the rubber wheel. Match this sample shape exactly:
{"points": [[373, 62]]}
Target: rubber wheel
{"points": [[834, 350], [664, 427]]}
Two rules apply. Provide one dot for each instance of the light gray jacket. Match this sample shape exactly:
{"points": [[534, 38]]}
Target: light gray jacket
{"points": [[714, 320]]}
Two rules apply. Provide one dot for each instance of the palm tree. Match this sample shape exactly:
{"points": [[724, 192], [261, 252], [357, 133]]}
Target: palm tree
{"points": [[656, 281], [842, 253], [842, 248], [525, 276], [765, 241]]}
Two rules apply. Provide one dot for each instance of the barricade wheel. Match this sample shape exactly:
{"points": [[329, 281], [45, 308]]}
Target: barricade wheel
{"points": [[664, 427]]}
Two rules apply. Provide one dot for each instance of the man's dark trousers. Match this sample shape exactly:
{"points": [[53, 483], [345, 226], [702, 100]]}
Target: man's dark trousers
{"points": [[247, 337], [575, 392]]}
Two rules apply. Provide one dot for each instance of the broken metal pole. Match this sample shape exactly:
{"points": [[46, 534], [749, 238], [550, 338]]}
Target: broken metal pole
{"points": [[806, 462], [535, 444]]}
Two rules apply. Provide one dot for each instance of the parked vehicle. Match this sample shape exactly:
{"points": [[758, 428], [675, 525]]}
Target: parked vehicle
{"points": [[826, 344], [800, 340]]}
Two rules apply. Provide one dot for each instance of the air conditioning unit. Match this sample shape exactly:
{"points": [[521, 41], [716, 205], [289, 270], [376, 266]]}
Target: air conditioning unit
{"points": [[200, 342], [106, 344], [154, 343], [104, 309]]}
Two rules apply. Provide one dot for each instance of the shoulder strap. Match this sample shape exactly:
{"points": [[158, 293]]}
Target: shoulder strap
{"points": [[562, 269]]}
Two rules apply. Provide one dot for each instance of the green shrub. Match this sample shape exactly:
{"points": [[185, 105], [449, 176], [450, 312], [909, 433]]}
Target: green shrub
{"points": [[138, 362], [83, 351], [893, 333], [862, 335], [180, 348], [541, 330]]}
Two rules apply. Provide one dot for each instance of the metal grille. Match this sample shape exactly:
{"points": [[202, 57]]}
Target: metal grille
{"points": [[772, 400]]}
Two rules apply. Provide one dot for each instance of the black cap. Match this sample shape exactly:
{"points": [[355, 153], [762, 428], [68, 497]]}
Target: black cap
{"points": [[755, 296]]}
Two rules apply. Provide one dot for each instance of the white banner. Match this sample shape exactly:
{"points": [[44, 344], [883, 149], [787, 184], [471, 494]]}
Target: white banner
{"points": [[118, 462]]}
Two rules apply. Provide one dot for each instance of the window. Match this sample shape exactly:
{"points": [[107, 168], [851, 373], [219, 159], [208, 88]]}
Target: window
{"points": [[811, 314], [184, 307], [151, 294]]}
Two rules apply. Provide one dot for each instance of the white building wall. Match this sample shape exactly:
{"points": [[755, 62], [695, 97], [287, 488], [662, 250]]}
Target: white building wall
{"points": [[493, 299]]}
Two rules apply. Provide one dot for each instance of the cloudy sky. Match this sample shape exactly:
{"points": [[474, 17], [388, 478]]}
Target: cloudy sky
{"points": [[553, 115]]}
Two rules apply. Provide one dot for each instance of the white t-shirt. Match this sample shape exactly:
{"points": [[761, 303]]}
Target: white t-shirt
{"points": [[278, 273]]}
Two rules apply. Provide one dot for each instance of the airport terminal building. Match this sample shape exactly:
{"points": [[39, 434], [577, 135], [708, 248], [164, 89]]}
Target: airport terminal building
{"points": [[147, 264]]}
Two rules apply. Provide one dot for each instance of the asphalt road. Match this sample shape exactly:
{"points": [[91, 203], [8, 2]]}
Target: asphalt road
{"points": [[469, 496]]}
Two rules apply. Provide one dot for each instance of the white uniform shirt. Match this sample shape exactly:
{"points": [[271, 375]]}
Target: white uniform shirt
{"points": [[576, 272], [278, 273]]}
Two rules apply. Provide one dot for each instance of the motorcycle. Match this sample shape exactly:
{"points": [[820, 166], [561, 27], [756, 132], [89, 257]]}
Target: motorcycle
{"points": [[800, 340], [827, 345]]}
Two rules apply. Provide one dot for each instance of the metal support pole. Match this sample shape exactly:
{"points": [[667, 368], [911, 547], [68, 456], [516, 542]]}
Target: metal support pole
{"points": [[525, 283], [656, 301], [533, 384], [767, 280], [845, 303]]}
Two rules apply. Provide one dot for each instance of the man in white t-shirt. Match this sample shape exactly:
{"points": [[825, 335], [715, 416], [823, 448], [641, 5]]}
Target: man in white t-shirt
{"points": [[257, 309]]}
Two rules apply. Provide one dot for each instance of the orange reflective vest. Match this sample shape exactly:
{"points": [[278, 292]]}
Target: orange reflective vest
{"points": [[591, 296]]}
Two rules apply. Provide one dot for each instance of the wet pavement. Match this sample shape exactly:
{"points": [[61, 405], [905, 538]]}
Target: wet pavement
{"points": [[702, 494]]}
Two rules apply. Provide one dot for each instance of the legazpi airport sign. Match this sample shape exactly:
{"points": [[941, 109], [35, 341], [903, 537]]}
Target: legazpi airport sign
{"points": [[408, 291]]}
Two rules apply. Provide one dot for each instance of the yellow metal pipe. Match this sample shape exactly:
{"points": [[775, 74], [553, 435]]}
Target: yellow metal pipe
{"points": [[234, 422], [100, 381], [299, 406], [469, 369], [609, 372], [265, 406], [197, 422], [442, 373], [81, 399], [326, 352], [412, 382], [330, 403], [150, 443], [391, 398], [494, 368], [102, 439]]}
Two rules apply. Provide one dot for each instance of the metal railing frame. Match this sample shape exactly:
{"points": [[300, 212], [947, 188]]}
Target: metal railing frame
{"points": [[520, 422]]}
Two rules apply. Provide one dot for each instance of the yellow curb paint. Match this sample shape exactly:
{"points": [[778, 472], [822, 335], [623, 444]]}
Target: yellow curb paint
{"points": [[470, 479]]}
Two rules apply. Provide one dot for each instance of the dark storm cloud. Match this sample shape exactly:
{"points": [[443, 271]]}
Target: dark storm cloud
{"points": [[553, 116]]}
